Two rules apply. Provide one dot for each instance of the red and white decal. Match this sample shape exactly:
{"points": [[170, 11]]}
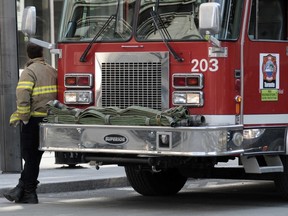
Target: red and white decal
{"points": [[269, 71]]}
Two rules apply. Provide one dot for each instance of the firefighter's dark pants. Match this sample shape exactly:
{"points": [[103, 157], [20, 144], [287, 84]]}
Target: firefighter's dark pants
{"points": [[30, 153]]}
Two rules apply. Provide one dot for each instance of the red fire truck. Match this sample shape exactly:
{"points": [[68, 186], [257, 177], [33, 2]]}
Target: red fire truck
{"points": [[224, 60]]}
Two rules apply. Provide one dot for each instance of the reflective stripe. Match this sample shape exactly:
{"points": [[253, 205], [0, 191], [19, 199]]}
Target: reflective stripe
{"points": [[25, 85], [266, 119], [44, 90], [14, 117], [248, 119], [220, 119], [38, 114], [23, 110]]}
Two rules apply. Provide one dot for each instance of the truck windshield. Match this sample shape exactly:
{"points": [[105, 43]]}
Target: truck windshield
{"points": [[83, 19], [180, 19]]}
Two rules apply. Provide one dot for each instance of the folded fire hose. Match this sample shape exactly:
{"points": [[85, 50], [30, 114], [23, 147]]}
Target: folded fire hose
{"points": [[133, 115]]}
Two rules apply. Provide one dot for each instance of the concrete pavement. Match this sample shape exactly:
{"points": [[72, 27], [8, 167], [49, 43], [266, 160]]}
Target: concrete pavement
{"points": [[60, 178]]}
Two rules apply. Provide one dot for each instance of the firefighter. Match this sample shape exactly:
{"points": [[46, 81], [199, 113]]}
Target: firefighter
{"points": [[36, 87]]}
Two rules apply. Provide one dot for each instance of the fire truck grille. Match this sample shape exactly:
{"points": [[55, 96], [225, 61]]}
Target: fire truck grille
{"points": [[131, 84]]}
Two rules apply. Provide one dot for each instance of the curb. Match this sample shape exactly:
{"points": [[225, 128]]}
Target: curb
{"points": [[78, 185]]}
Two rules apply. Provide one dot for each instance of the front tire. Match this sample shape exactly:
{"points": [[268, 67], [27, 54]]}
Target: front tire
{"points": [[149, 183]]}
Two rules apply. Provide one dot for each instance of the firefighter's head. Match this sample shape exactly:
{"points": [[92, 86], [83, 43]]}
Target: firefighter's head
{"points": [[34, 51]]}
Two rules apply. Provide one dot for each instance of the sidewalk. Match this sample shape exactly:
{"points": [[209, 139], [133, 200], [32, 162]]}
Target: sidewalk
{"points": [[60, 178]]}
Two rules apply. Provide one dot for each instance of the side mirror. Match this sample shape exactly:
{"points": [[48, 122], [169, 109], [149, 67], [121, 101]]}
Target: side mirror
{"points": [[29, 21], [29, 29], [209, 18]]}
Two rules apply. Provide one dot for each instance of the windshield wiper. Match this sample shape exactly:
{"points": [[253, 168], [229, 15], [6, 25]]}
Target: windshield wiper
{"points": [[158, 23], [103, 28], [106, 24]]}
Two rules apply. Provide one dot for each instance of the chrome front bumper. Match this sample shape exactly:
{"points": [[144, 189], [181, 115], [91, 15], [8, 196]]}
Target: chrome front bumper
{"points": [[142, 140]]}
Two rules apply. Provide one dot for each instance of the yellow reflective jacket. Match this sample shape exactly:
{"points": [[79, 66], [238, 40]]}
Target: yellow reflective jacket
{"points": [[37, 85]]}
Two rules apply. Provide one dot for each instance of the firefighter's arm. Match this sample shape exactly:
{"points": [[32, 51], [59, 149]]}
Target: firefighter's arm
{"points": [[24, 94]]}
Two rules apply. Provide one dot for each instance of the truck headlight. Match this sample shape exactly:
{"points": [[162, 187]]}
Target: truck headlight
{"points": [[78, 97], [191, 98], [237, 139]]}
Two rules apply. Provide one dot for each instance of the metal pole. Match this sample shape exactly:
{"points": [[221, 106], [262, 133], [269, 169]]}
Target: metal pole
{"points": [[52, 26], [10, 157]]}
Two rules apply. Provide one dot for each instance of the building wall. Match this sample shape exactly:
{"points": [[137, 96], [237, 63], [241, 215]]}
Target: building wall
{"points": [[10, 158], [43, 24], [12, 60]]}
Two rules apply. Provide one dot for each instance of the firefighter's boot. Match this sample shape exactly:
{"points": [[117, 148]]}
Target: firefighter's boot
{"points": [[29, 194], [29, 197], [16, 193]]}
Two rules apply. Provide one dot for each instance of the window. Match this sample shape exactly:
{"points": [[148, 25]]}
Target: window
{"points": [[179, 19], [105, 20], [268, 20]]}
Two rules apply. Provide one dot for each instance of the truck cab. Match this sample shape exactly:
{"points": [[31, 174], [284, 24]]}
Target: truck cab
{"points": [[223, 61]]}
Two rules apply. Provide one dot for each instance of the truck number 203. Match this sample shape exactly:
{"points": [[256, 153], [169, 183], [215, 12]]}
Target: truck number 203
{"points": [[204, 65]]}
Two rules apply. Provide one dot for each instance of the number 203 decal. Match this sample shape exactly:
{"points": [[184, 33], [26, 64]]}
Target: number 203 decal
{"points": [[204, 65]]}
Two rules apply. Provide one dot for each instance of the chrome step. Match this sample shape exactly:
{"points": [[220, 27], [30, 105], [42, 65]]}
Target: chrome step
{"points": [[251, 165]]}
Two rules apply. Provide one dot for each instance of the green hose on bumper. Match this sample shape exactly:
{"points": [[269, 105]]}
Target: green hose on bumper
{"points": [[133, 115]]}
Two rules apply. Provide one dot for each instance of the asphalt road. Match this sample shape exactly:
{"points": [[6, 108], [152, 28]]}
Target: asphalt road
{"points": [[198, 197]]}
